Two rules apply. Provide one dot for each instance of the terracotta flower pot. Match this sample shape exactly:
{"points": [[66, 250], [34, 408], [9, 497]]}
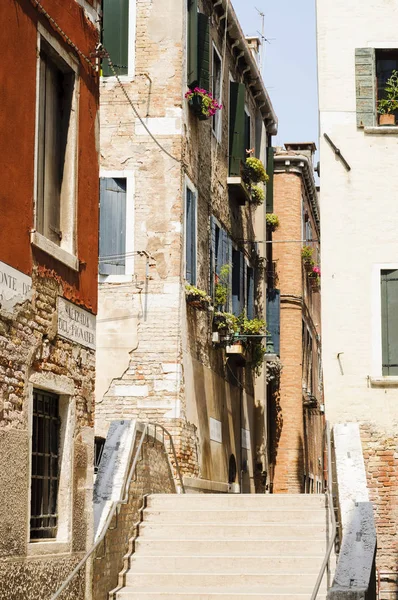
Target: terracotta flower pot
{"points": [[387, 119]]}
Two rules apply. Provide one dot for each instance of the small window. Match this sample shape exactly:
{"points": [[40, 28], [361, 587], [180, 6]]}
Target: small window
{"points": [[56, 145], [99, 444], [45, 465], [389, 321], [190, 235], [386, 63], [112, 235], [115, 36], [216, 90]]}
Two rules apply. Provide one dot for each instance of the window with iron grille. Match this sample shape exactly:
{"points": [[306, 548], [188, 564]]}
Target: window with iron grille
{"points": [[45, 465]]}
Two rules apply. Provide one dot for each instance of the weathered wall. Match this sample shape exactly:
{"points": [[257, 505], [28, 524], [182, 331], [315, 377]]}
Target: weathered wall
{"points": [[153, 476], [169, 359], [300, 429], [359, 227]]}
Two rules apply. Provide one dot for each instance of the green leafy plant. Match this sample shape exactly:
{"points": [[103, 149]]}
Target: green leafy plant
{"points": [[389, 103], [258, 194], [258, 353], [196, 293], [272, 221], [226, 320], [306, 253], [222, 286], [255, 170], [251, 326]]}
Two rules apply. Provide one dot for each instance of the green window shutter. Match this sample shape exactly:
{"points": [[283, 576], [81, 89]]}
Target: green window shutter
{"points": [[112, 238], [269, 203], [115, 33], [236, 127], [192, 43], [365, 84], [190, 237], [389, 322], [203, 52]]}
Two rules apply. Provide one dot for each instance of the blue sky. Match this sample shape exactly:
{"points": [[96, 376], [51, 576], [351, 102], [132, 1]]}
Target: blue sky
{"points": [[289, 64]]}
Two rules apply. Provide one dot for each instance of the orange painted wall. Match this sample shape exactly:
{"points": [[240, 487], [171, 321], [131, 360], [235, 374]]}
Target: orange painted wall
{"points": [[19, 18]]}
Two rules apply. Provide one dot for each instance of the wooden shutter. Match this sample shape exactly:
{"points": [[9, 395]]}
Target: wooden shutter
{"points": [[269, 203], [112, 243], [203, 52], [115, 34], [238, 282], [190, 237], [236, 127], [250, 292], [389, 322], [192, 45], [273, 317], [365, 83], [247, 134]]}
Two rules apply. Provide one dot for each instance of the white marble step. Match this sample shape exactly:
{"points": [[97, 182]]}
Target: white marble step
{"points": [[234, 501], [238, 515], [278, 593]]}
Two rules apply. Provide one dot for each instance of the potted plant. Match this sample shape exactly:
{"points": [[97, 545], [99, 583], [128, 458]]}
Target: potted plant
{"points": [[257, 194], [197, 298], [306, 255], [254, 170], [202, 103], [315, 278], [272, 221], [387, 105]]}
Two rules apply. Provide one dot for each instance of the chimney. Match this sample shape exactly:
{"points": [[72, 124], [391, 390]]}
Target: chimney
{"points": [[254, 44], [306, 148]]}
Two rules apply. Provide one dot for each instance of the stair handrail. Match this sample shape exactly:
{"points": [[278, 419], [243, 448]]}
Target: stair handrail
{"points": [[329, 497], [124, 500]]}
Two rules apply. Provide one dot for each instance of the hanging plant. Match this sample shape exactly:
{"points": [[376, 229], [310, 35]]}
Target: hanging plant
{"points": [[196, 297], [272, 221], [255, 171], [202, 103], [258, 194]]}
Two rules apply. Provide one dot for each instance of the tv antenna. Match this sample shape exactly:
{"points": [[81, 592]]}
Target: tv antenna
{"points": [[263, 38]]}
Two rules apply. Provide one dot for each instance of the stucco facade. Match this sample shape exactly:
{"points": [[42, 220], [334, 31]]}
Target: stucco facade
{"points": [[163, 365], [359, 241], [298, 428], [48, 297]]}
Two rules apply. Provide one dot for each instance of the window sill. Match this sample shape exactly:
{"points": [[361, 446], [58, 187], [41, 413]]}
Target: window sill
{"points": [[386, 381], [239, 189], [122, 278], [382, 130], [41, 242], [49, 547], [112, 79]]}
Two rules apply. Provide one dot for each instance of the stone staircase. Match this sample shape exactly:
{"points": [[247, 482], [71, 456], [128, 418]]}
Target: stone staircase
{"points": [[219, 546]]}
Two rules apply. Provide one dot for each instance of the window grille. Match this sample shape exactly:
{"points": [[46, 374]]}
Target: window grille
{"points": [[45, 465]]}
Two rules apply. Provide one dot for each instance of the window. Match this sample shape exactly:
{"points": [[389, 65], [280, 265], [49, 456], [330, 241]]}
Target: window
{"points": [[118, 36], [250, 292], [389, 321], [220, 256], [190, 234], [372, 69], [45, 465], [116, 235], [216, 90], [307, 361], [238, 282], [56, 148]]}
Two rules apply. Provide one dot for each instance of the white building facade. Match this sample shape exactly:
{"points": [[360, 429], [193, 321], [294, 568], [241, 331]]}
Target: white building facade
{"points": [[357, 53]]}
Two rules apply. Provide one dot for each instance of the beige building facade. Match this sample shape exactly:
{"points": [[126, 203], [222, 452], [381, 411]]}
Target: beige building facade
{"points": [[185, 213], [357, 53]]}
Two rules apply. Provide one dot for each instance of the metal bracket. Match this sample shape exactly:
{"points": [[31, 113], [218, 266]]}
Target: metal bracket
{"points": [[337, 152]]}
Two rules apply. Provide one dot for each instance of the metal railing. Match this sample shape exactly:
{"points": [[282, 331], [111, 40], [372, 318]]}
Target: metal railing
{"points": [[329, 497], [126, 489]]}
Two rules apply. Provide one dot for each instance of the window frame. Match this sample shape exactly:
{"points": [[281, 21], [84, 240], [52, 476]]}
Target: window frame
{"points": [[66, 251], [128, 175], [131, 40], [189, 185], [63, 387], [377, 348], [217, 118]]}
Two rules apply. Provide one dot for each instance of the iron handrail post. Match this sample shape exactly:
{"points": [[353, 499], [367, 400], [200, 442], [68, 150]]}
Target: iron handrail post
{"points": [[329, 496]]}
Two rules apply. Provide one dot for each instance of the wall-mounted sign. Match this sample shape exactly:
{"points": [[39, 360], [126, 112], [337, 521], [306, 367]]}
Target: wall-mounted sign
{"points": [[15, 287], [76, 324], [246, 439], [215, 430]]}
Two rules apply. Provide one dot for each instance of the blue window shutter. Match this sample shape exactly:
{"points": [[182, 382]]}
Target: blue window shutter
{"points": [[274, 317], [190, 237], [112, 238], [212, 254], [242, 282], [115, 34], [250, 292], [389, 321]]}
